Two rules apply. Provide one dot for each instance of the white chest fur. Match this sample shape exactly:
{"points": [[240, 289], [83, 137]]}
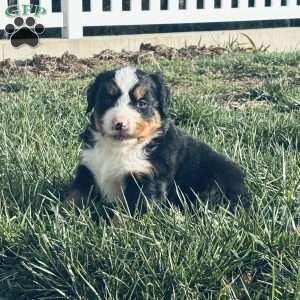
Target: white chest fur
{"points": [[110, 161]]}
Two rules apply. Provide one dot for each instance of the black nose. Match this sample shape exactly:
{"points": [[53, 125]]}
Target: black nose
{"points": [[120, 126]]}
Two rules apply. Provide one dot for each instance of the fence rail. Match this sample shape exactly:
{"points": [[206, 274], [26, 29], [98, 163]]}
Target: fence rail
{"points": [[75, 15]]}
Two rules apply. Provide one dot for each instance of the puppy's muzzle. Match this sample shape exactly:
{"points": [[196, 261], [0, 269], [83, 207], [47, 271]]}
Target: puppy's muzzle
{"points": [[120, 127]]}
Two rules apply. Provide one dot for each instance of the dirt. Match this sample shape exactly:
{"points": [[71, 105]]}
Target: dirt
{"points": [[71, 65]]}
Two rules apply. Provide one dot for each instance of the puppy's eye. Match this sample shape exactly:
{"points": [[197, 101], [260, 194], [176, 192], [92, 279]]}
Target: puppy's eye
{"points": [[142, 104]]}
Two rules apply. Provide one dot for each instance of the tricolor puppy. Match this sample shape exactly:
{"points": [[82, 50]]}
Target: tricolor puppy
{"points": [[134, 151]]}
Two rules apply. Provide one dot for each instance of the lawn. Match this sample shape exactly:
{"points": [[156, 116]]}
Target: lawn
{"points": [[245, 105]]}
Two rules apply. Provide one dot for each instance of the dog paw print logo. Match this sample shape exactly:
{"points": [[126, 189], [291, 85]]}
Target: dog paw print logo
{"points": [[24, 32]]}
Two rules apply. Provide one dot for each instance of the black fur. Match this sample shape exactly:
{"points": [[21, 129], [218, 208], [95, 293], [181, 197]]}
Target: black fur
{"points": [[178, 159]]}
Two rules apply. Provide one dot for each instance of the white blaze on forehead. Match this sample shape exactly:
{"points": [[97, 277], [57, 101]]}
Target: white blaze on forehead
{"points": [[126, 79]]}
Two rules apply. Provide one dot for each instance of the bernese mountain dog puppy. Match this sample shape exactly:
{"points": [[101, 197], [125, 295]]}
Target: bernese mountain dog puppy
{"points": [[135, 154]]}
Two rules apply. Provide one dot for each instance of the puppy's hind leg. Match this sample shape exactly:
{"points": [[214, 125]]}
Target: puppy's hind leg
{"points": [[230, 179]]}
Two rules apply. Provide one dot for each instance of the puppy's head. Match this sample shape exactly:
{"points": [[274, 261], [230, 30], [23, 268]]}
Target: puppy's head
{"points": [[128, 104]]}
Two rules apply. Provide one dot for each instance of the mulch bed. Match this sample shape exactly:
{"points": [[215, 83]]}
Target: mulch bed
{"points": [[69, 64]]}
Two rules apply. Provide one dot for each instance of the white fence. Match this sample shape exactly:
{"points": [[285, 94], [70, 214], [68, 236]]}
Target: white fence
{"points": [[72, 18]]}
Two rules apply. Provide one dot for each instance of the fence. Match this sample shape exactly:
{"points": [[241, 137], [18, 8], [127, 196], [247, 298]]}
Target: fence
{"points": [[74, 17]]}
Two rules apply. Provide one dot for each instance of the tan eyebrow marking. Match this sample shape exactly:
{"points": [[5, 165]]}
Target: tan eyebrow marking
{"points": [[139, 92]]}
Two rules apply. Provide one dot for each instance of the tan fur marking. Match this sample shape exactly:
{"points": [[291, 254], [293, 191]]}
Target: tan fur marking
{"points": [[139, 92], [146, 129]]}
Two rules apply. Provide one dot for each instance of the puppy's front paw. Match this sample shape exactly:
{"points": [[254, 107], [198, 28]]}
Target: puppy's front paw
{"points": [[118, 220], [73, 199]]}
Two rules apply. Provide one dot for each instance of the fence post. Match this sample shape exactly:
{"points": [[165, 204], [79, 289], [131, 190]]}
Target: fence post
{"points": [[3, 7], [243, 4], [260, 4], [72, 12], [21, 3], [96, 5], [294, 4], [116, 6], [155, 5], [191, 5], [276, 3], [209, 4], [173, 5], [136, 5], [226, 4]]}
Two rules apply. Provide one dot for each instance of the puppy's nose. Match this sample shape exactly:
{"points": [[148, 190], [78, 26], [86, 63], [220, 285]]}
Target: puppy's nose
{"points": [[120, 125]]}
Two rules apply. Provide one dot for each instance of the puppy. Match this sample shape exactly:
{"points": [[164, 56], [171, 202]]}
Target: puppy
{"points": [[133, 151]]}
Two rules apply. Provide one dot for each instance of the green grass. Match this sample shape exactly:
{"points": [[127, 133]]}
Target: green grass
{"points": [[244, 105]]}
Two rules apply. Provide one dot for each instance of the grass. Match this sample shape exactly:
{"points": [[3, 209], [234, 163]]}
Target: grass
{"points": [[244, 105]]}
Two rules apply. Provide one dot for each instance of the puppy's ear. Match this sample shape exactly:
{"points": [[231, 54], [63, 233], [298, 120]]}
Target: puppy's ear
{"points": [[91, 95], [162, 92], [94, 89]]}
